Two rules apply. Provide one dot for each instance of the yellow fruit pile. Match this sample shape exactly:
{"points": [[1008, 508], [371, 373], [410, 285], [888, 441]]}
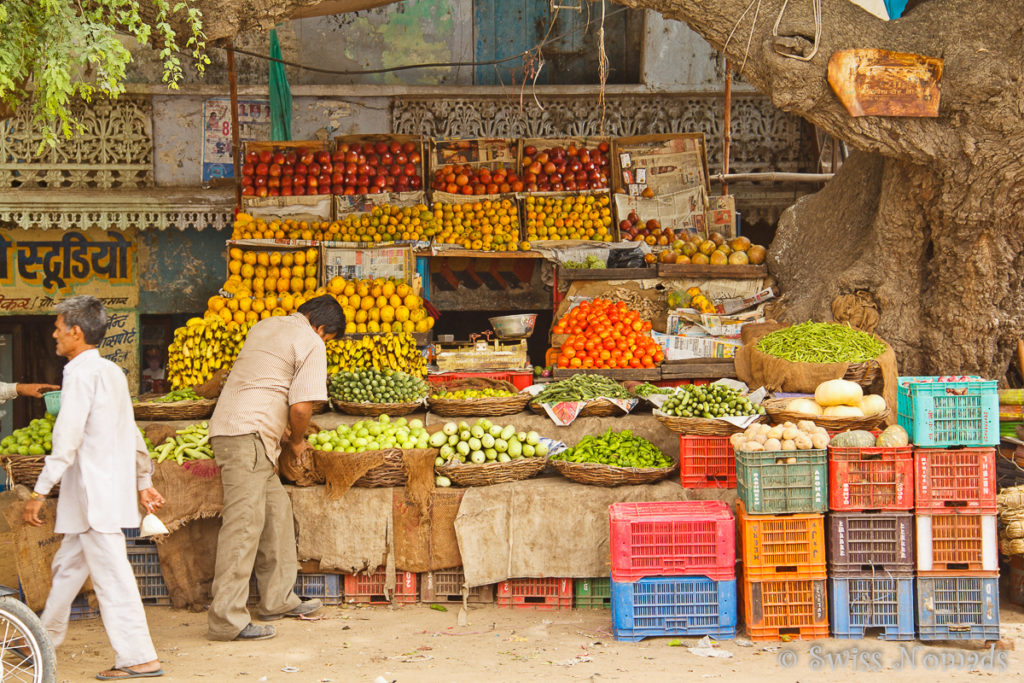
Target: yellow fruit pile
{"points": [[264, 283], [386, 223], [575, 217], [484, 225], [202, 347], [380, 306], [394, 351], [247, 227]]}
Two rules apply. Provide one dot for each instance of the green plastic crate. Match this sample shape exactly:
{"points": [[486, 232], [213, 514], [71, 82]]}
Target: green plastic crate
{"points": [[593, 593], [768, 485]]}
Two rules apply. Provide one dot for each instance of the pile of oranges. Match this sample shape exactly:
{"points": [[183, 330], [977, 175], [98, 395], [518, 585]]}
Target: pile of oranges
{"points": [[488, 225], [262, 283], [385, 223], [247, 227], [606, 334], [380, 306], [574, 217]]}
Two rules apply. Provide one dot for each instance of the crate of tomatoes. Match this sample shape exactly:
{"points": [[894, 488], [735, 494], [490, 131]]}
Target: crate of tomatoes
{"points": [[606, 334]]}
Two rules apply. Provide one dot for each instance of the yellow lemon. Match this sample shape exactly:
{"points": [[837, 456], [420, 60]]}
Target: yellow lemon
{"points": [[232, 305], [374, 314], [401, 314], [350, 289], [285, 272], [264, 314], [249, 257], [239, 317], [355, 300], [422, 326], [361, 328], [310, 270], [309, 283], [387, 313], [362, 289], [417, 315], [336, 285], [245, 304], [350, 313], [396, 328], [299, 258], [270, 284], [263, 258], [246, 271], [299, 300], [252, 316], [235, 254], [287, 260], [258, 305], [395, 300], [270, 303], [215, 303], [403, 290], [350, 328], [412, 301], [376, 291], [288, 302], [282, 285], [360, 316], [388, 289], [235, 267], [279, 311], [373, 327], [225, 315], [366, 303], [275, 258], [311, 255], [297, 284], [274, 272], [409, 326]]}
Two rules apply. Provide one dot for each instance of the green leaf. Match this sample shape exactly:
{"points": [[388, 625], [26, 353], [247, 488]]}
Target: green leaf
{"points": [[439, 608]]}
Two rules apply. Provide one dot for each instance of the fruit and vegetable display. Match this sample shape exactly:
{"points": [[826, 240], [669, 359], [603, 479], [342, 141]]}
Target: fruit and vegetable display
{"points": [[380, 351], [715, 250], [283, 172], [373, 167], [692, 297], [35, 439], [384, 223], [380, 306], [183, 394], [647, 389], [709, 401], [370, 385], [483, 442], [632, 229], [604, 334], [891, 437], [570, 168], [262, 283], [620, 449], [190, 443], [466, 394], [202, 347], [575, 217], [812, 342], [801, 436], [372, 435], [591, 262], [838, 398], [469, 180], [488, 225], [581, 387]]}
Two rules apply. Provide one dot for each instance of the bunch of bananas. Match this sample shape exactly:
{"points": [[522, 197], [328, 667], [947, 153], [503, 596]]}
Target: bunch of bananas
{"points": [[394, 351], [202, 347]]}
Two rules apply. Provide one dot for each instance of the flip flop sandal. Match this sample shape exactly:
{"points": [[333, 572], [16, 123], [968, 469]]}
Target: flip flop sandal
{"points": [[129, 673]]}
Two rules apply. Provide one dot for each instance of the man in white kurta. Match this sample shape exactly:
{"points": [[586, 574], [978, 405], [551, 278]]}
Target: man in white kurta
{"points": [[9, 391], [101, 461]]}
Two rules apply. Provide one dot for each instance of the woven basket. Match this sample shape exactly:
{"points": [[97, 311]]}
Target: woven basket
{"points": [[389, 473], [376, 409], [492, 472], [478, 407], [146, 409], [597, 474], [25, 469], [700, 426], [598, 407], [776, 409], [864, 373]]}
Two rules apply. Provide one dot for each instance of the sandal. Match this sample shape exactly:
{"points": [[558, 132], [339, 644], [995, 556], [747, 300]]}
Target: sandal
{"points": [[129, 673]]}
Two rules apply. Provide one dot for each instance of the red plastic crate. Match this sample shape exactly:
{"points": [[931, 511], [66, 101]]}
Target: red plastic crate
{"points": [[956, 542], [781, 546], [871, 478], [369, 588], [542, 594], [520, 380], [706, 462], [794, 607], [673, 538], [681, 382], [955, 478]]}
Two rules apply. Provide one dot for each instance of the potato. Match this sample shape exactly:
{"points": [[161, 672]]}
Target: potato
{"points": [[737, 439], [819, 440], [775, 433], [788, 445], [790, 433], [752, 447], [806, 426], [773, 445], [803, 442]]}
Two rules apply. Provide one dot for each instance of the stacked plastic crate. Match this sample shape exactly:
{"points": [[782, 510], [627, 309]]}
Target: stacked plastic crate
{"points": [[780, 516], [954, 425], [673, 569], [706, 462], [871, 542]]}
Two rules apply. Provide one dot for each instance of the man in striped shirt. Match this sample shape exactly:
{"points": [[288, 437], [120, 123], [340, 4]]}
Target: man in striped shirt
{"points": [[280, 372]]}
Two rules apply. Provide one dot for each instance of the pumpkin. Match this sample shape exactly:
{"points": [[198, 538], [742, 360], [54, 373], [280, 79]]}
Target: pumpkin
{"points": [[893, 437], [856, 438], [842, 411], [804, 406], [872, 404], [838, 392]]}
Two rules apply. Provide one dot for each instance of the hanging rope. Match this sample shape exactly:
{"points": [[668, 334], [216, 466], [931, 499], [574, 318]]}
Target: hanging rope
{"points": [[816, 5], [602, 67]]}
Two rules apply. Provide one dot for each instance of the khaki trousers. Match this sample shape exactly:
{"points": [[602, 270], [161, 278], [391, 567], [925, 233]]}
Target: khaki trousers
{"points": [[257, 532], [104, 557]]}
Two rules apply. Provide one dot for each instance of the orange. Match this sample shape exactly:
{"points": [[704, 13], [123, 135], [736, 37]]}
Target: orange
{"points": [[263, 258], [287, 260], [309, 283], [275, 258], [249, 257]]}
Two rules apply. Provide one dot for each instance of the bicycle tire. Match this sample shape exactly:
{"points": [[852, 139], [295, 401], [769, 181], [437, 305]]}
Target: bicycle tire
{"points": [[17, 617]]}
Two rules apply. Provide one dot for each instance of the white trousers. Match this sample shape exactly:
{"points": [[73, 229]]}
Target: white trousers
{"points": [[104, 557]]}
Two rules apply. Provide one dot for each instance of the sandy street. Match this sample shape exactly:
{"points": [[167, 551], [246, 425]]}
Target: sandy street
{"points": [[417, 643]]}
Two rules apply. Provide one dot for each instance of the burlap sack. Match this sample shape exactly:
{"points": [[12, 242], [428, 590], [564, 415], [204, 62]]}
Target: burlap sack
{"points": [[349, 534], [427, 542], [299, 470], [340, 471], [158, 432], [212, 387], [187, 561], [191, 491]]}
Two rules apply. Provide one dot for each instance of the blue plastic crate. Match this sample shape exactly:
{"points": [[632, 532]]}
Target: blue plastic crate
{"points": [[131, 538], [673, 606], [327, 587], [145, 561], [858, 604], [958, 608], [81, 610], [954, 413]]}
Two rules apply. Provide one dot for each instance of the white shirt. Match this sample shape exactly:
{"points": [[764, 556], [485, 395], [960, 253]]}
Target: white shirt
{"points": [[7, 392], [99, 456]]}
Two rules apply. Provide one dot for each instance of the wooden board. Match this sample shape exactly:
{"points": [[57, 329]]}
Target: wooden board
{"points": [[727, 272], [621, 374], [472, 253], [872, 82], [571, 274], [699, 368]]}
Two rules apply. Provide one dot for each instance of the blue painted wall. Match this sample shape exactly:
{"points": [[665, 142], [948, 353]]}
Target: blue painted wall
{"points": [[178, 270]]}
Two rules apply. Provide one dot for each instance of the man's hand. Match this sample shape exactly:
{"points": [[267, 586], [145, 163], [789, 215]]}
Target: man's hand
{"points": [[31, 513], [35, 390], [151, 499], [299, 448]]}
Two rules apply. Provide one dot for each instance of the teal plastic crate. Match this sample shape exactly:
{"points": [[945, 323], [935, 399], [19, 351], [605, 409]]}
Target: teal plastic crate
{"points": [[593, 593], [770, 485], [960, 412]]}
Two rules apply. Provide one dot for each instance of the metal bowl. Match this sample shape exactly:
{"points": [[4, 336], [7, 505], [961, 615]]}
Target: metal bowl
{"points": [[518, 326]]}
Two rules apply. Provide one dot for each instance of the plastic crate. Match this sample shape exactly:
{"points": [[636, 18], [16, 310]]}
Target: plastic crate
{"points": [[542, 594], [957, 542], [369, 588], [82, 610], [859, 605], [871, 478], [796, 608], [865, 542], [144, 561], [706, 462], [593, 593], [955, 478], [445, 586], [326, 587], [938, 411], [131, 537], [520, 380], [673, 606], [673, 538], [792, 545], [957, 608], [768, 485]]}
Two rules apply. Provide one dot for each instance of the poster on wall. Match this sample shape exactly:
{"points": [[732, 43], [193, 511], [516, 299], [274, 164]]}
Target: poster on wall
{"points": [[253, 124]]}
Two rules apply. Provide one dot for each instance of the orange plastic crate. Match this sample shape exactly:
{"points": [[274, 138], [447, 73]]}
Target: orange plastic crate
{"points": [[541, 594], [795, 608], [369, 588], [778, 546]]}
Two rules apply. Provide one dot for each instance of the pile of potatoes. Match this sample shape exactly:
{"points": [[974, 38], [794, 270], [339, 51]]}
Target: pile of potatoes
{"points": [[802, 436]]}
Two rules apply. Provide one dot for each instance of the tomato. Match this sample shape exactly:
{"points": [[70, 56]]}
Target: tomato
{"points": [[612, 363], [575, 363], [659, 356]]}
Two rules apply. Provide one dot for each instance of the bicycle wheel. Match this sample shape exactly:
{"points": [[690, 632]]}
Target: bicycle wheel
{"points": [[26, 653]]}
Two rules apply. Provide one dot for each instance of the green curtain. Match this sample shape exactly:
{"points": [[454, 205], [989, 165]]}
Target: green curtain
{"points": [[280, 95]]}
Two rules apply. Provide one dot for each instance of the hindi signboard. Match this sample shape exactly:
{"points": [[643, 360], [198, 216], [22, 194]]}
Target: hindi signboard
{"points": [[121, 344]]}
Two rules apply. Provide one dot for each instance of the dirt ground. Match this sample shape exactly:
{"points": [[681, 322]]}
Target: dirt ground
{"points": [[417, 643]]}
